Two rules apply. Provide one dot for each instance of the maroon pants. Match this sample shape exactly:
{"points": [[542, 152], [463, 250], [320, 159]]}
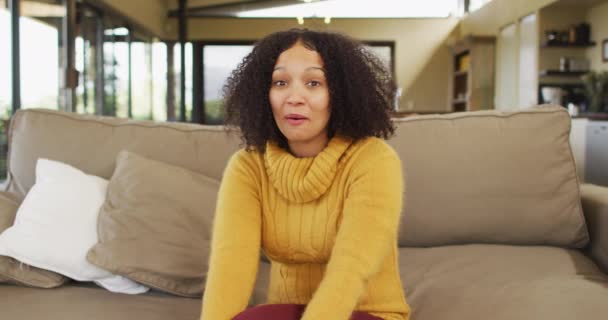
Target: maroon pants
{"points": [[287, 312]]}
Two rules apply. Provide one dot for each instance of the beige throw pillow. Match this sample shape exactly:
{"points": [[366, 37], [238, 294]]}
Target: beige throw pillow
{"points": [[490, 176], [13, 271], [155, 225]]}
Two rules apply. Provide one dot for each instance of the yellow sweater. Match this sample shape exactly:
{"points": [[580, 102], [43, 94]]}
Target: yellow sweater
{"points": [[327, 223]]}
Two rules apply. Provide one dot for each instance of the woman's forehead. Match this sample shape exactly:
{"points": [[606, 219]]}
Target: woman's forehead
{"points": [[299, 55]]}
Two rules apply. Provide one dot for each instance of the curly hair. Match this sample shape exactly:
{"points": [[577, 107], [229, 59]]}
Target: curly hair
{"points": [[361, 89]]}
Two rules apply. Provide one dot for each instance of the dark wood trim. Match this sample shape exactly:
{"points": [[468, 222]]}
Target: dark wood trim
{"points": [[555, 44], [68, 44], [14, 6], [198, 104], [84, 30], [170, 81], [559, 73], [183, 36]]}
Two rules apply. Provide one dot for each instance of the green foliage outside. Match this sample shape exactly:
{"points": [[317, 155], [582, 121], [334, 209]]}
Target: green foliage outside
{"points": [[596, 90], [214, 112]]}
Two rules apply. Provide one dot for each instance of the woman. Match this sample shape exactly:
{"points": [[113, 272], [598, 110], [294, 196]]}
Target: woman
{"points": [[315, 187]]}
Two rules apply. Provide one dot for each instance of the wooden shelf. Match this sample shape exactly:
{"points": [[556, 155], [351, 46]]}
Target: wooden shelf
{"points": [[547, 44], [559, 73], [472, 68]]}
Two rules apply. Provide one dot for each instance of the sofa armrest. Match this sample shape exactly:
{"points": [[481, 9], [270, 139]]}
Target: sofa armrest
{"points": [[595, 207]]}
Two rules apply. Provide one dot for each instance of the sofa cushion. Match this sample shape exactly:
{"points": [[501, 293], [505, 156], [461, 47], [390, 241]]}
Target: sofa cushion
{"points": [[13, 271], [77, 301], [490, 177], [155, 225], [91, 143], [56, 225], [260, 289], [502, 283]]}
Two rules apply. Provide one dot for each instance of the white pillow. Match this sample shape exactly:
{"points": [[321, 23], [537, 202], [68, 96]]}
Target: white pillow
{"points": [[56, 225]]}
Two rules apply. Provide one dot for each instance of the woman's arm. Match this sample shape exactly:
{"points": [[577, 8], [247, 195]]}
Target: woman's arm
{"points": [[235, 246], [367, 234]]}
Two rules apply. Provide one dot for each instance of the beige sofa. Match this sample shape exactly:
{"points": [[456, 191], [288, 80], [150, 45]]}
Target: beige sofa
{"points": [[493, 224]]}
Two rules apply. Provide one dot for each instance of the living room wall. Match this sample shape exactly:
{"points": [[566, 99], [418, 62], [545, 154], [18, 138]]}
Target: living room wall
{"points": [[421, 56], [596, 16]]}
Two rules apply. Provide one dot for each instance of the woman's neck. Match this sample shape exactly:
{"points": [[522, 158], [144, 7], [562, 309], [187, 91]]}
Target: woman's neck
{"points": [[309, 148]]}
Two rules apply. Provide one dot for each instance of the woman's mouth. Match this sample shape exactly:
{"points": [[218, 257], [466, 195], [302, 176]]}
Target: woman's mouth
{"points": [[295, 119]]}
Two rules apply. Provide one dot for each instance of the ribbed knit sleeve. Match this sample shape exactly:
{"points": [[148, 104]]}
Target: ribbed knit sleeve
{"points": [[235, 247], [367, 234]]}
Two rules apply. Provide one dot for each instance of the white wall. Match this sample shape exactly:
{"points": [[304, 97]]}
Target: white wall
{"points": [[507, 56], [528, 61]]}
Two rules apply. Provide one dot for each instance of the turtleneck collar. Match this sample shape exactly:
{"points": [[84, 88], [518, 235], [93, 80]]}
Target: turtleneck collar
{"points": [[304, 179]]}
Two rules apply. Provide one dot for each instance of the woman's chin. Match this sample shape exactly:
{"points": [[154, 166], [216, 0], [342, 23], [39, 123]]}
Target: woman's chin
{"points": [[295, 134], [296, 138]]}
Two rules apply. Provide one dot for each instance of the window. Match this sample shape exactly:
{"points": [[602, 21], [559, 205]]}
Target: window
{"points": [[188, 77], [85, 92], [6, 84], [218, 63], [159, 81], [116, 70], [142, 86], [219, 60], [39, 72]]}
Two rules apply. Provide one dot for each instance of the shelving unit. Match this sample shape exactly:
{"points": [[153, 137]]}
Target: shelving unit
{"points": [[472, 79], [561, 16], [569, 81], [547, 44], [559, 73]]}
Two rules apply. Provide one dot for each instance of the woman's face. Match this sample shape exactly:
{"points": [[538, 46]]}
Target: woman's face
{"points": [[299, 97]]}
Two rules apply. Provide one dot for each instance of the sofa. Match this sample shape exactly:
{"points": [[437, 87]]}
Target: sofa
{"points": [[495, 224]]}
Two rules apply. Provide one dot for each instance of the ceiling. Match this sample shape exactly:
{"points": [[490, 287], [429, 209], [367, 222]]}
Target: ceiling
{"points": [[227, 8]]}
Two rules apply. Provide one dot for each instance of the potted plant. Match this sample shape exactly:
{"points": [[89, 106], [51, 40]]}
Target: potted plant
{"points": [[596, 91]]}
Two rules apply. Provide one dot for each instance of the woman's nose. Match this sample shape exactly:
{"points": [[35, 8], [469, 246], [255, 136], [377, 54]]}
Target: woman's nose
{"points": [[295, 97]]}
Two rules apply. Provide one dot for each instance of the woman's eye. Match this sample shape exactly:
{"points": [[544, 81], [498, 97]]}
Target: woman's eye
{"points": [[280, 83], [314, 83]]}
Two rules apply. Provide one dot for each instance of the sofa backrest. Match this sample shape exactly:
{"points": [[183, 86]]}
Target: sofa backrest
{"points": [[490, 177], [475, 177], [91, 144]]}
